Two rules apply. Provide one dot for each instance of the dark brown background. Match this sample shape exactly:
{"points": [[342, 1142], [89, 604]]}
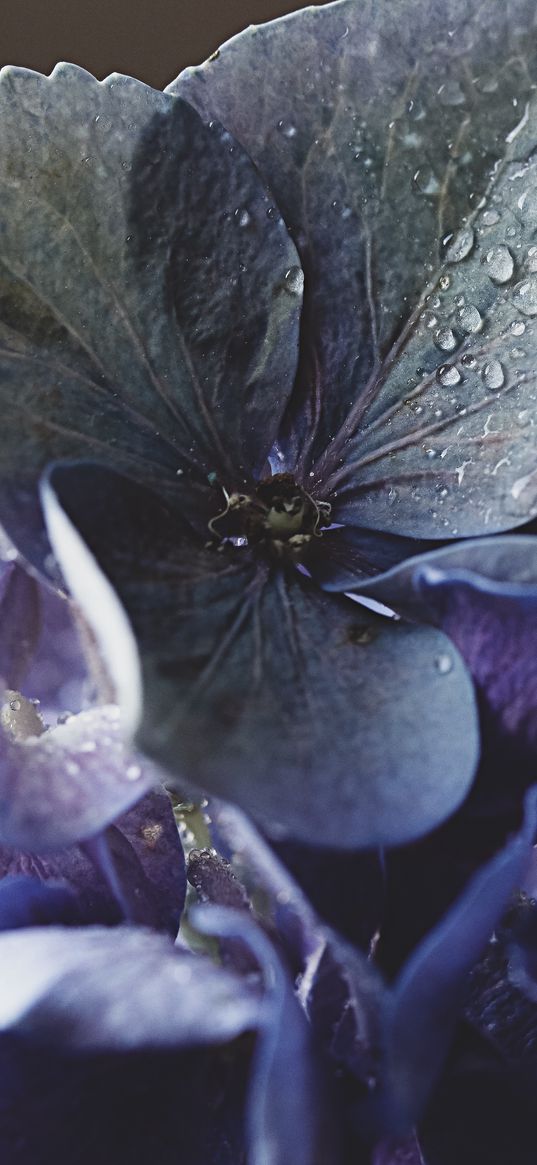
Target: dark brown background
{"points": [[150, 39]]}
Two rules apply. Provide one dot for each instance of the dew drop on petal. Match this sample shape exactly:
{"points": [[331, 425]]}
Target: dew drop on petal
{"points": [[426, 182], [445, 339], [285, 128], [242, 217], [443, 664], [451, 93], [518, 327], [133, 772], [490, 218], [470, 319], [448, 375], [499, 264], [294, 281], [525, 296], [493, 374], [461, 246]]}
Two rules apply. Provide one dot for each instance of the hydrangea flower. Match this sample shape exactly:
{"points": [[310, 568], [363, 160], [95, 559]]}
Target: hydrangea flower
{"points": [[267, 348], [156, 292]]}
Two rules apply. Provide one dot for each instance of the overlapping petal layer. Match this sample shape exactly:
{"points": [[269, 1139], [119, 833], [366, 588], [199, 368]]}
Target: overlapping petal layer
{"points": [[320, 718], [399, 142], [148, 299]]}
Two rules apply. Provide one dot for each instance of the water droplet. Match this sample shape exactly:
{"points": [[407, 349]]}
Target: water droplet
{"points": [[15, 705], [461, 246], [88, 746], [71, 768], [518, 327], [448, 375], [415, 110], [133, 772], [443, 664], [451, 94], [525, 296], [493, 374], [444, 282], [470, 319], [428, 319], [468, 360], [499, 264], [294, 281], [523, 417], [490, 218], [445, 339], [242, 217], [426, 182], [288, 130]]}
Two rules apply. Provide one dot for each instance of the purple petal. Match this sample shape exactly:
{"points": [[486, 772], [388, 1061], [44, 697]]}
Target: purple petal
{"points": [[27, 902], [286, 1113], [69, 783], [429, 994], [483, 594], [19, 622], [148, 863], [338, 987], [117, 989]]}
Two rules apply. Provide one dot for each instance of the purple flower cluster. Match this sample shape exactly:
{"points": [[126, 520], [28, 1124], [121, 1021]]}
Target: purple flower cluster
{"points": [[268, 599]]}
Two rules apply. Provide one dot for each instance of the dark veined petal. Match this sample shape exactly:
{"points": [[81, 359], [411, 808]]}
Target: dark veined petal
{"points": [[149, 301], [148, 870], [69, 783], [345, 557], [483, 594], [399, 142], [321, 719]]}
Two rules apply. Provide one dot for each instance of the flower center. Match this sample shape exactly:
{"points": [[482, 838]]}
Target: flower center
{"points": [[278, 517]]}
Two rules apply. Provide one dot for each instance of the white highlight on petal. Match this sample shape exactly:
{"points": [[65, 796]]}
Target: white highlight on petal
{"points": [[101, 608]]}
